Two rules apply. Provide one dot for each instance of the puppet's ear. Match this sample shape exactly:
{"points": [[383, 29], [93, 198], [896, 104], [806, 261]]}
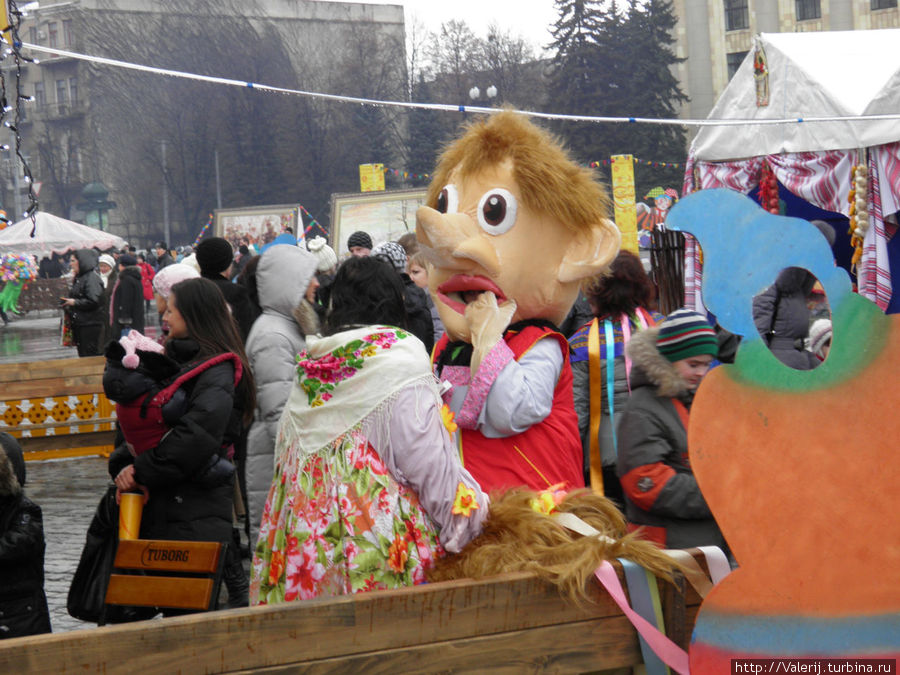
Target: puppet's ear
{"points": [[590, 253]]}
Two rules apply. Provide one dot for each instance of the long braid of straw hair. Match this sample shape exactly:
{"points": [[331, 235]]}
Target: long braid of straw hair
{"points": [[516, 538]]}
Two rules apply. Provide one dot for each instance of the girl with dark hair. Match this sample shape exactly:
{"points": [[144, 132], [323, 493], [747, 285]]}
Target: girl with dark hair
{"points": [[184, 475], [368, 487], [620, 301]]}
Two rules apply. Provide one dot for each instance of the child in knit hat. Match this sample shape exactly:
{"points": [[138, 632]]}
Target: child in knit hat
{"points": [[661, 493], [820, 338]]}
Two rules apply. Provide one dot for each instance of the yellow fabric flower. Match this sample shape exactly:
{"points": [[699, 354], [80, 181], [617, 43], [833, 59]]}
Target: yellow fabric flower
{"points": [[447, 418], [547, 500], [464, 502]]}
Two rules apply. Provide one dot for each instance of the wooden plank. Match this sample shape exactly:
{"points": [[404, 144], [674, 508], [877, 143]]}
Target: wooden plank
{"points": [[67, 423], [90, 439], [577, 647], [261, 637], [52, 386], [149, 591], [183, 556], [90, 451], [52, 368]]}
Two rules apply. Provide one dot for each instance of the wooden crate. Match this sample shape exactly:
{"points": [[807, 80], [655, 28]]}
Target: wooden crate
{"points": [[57, 408], [511, 623]]}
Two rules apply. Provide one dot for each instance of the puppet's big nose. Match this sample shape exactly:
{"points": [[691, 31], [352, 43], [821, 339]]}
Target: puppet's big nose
{"points": [[442, 232]]}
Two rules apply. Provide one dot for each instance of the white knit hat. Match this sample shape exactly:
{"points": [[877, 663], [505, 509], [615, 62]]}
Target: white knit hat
{"points": [[819, 334], [325, 255]]}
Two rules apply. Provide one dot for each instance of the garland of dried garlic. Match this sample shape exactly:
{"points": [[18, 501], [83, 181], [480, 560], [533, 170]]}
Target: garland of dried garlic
{"points": [[859, 210]]}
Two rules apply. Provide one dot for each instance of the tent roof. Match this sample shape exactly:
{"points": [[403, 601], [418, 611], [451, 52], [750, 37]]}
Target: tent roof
{"points": [[54, 235], [816, 74]]}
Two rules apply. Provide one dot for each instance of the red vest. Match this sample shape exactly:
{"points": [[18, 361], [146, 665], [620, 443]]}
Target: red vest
{"points": [[543, 455]]}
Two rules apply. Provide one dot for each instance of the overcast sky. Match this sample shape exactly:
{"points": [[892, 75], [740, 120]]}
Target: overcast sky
{"points": [[528, 18]]}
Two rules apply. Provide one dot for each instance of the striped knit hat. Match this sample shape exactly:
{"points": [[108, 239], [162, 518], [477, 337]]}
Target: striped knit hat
{"points": [[684, 334]]}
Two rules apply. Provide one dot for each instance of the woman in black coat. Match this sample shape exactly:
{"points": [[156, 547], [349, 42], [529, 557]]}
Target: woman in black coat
{"points": [[187, 482], [128, 298], [23, 605], [84, 303], [184, 499]]}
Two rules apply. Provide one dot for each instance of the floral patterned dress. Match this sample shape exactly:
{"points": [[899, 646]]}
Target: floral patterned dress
{"points": [[337, 520]]}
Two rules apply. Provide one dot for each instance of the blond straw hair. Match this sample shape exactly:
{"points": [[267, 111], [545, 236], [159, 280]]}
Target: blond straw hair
{"points": [[549, 180], [516, 538]]}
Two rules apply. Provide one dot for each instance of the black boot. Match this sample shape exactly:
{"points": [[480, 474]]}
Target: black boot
{"points": [[236, 582]]}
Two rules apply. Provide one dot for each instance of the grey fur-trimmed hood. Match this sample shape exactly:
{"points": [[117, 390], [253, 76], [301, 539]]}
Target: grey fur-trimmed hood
{"points": [[12, 467], [655, 368]]}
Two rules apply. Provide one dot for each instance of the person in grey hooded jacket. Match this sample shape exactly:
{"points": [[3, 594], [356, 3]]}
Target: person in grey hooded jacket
{"points": [[286, 282]]}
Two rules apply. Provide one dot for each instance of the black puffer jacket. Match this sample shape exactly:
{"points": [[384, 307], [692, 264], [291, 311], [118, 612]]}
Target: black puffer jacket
{"points": [[185, 503], [238, 299], [23, 605], [87, 290], [418, 312], [128, 302]]}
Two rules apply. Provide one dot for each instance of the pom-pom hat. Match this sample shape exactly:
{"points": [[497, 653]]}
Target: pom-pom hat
{"points": [[685, 333], [325, 255]]}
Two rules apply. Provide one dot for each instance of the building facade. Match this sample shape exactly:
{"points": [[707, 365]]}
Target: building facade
{"points": [[713, 36], [72, 137]]}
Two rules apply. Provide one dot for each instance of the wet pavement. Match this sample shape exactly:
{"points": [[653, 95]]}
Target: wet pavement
{"points": [[33, 337], [37, 336], [68, 492]]}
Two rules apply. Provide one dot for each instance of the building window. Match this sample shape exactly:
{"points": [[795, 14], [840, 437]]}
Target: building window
{"points": [[40, 98], [883, 4], [33, 35], [62, 92], [735, 59], [808, 9], [73, 89], [68, 36], [52, 35], [737, 16]]}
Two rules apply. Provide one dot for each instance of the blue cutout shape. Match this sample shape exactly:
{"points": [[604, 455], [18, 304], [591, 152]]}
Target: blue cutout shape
{"points": [[744, 249]]}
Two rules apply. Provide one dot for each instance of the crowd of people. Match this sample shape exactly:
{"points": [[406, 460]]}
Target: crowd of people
{"points": [[367, 483]]}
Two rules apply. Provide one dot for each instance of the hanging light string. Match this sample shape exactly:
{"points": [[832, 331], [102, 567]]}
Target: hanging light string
{"points": [[458, 108], [11, 32]]}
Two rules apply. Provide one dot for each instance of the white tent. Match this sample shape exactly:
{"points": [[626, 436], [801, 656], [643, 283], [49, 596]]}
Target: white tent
{"points": [[53, 234], [812, 75], [816, 74]]}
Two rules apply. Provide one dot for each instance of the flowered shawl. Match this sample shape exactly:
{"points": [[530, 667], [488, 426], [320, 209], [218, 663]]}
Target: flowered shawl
{"points": [[365, 368]]}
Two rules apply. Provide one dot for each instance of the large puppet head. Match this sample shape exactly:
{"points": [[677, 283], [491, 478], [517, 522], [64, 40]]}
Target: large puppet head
{"points": [[509, 212]]}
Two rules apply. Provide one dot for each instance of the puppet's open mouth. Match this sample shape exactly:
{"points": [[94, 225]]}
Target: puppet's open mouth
{"points": [[461, 289]]}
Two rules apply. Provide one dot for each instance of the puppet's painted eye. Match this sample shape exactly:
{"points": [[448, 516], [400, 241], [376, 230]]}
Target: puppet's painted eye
{"points": [[497, 211], [448, 200]]}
